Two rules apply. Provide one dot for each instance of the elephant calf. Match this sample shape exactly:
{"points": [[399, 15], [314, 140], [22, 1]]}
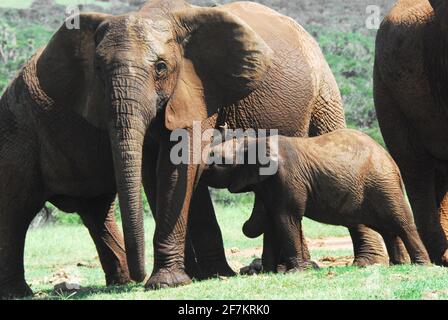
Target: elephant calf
{"points": [[340, 178]]}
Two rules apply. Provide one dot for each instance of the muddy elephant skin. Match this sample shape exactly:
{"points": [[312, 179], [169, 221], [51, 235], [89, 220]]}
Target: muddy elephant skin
{"points": [[411, 101], [339, 178]]}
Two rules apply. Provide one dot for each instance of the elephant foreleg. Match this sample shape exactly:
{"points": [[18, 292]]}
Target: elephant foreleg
{"points": [[149, 176], [99, 217], [395, 249], [175, 186], [206, 237], [420, 186]]}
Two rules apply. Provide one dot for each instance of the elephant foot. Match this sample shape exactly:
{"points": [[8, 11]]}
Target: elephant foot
{"points": [[369, 260], [167, 278], [15, 290], [442, 261], [217, 270], [297, 266], [255, 267], [118, 279]]}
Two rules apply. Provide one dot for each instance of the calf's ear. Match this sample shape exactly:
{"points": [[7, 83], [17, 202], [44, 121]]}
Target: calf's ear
{"points": [[250, 174]]}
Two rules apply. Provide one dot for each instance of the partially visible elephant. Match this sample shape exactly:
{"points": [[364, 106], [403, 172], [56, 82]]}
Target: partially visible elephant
{"points": [[342, 178], [411, 101], [247, 66]]}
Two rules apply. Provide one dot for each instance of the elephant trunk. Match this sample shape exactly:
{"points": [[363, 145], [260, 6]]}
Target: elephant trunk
{"points": [[127, 132], [254, 227]]}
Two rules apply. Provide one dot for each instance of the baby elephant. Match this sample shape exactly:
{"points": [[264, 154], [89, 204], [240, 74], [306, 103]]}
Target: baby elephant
{"points": [[340, 178]]}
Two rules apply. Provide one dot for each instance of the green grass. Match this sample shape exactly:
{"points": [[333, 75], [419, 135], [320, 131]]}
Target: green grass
{"points": [[62, 247], [18, 4]]}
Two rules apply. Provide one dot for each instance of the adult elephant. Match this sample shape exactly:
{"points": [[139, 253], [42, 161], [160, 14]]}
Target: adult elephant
{"points": [[411, 101], [242, 65]]}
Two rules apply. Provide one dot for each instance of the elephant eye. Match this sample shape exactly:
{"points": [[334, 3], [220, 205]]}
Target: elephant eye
{"points": [[161, 68]]}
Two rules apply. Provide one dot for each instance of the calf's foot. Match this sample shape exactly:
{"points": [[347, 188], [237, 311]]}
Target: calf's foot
{"points": [[255, 267]]}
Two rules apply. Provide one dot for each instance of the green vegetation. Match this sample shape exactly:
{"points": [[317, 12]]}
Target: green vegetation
{"points": [[351, 56], [61, 248], [18, 42], [19, 4]]}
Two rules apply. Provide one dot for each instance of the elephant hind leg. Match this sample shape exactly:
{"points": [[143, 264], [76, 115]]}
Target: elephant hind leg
{"points": [[394, 215], [14, 223], [413, 244], [416, 165], [367, 247], [420, 187], [98, 215], [396, 249], [403, 226]]}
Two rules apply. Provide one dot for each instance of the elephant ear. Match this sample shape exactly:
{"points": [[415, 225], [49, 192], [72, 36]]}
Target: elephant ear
{"points": [[224, 61], [246, 178], [248, 175], [65, 68]]}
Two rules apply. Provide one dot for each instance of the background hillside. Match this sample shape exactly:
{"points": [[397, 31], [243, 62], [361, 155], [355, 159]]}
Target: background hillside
{"points": [[338, 26]]}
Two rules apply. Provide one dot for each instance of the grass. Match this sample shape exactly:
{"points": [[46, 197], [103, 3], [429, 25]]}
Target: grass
{"points": [[18, 4], [62, 247]]}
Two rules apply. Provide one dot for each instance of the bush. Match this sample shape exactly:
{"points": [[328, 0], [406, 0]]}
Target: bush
{"points": [[18, 42], [225, 198]]}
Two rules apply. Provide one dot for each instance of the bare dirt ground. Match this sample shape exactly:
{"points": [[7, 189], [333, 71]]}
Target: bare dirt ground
{"points": [[235, 254]]}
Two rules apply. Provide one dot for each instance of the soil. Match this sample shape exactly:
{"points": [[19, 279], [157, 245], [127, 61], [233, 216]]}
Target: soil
{"points": [[234, 254]]}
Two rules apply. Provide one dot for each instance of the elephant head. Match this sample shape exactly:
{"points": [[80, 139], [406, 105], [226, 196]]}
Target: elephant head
{"points": [[237, 164], [169, 62]]}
